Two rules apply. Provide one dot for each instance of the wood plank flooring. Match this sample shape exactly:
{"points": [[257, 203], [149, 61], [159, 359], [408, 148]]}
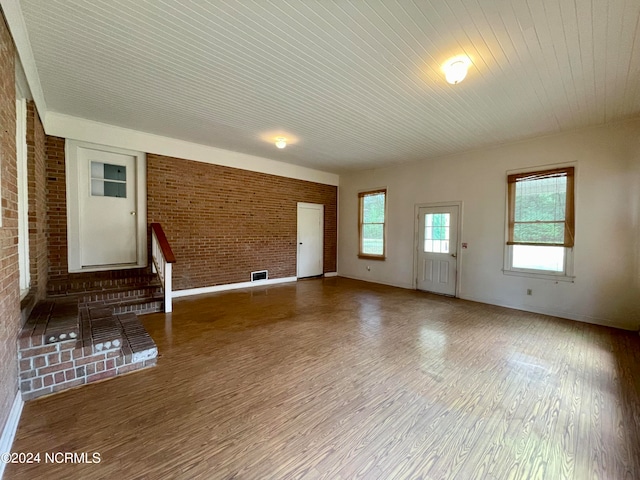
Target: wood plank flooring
{"points": [[341, 379]]}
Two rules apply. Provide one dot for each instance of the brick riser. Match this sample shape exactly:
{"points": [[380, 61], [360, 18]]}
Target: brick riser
{"points": [[85, 284], [138, 300]]}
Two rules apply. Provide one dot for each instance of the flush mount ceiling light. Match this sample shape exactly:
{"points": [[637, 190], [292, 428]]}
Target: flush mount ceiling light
{"points": [[455, 69], [281, 142]]}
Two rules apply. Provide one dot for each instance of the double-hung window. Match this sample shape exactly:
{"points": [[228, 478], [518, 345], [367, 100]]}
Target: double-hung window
{"points": [[540, 235], [371, 224]]}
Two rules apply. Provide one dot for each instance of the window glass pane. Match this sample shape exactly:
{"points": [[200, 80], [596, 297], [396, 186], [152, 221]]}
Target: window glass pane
{"points": [[539, 232], [115, 172], [117, 176], [541, 200], [373, 208], [538, 258], [113, 189], [436, 232], [372, 239]]}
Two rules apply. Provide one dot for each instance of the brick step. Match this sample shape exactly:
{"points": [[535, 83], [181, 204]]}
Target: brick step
{"points": [[115, 295], [98, 284], [140, 306], [107, 345]]}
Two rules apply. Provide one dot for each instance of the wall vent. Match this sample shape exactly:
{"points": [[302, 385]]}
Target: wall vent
{"points": [[261, 275]]}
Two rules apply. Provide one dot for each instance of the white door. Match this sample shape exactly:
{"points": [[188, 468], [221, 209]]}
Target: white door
{"points": [[310, 239], [107, 208], [437, 249]]}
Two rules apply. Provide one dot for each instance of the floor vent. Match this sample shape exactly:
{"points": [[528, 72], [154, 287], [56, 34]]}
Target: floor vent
{"points": [[261, 275]]}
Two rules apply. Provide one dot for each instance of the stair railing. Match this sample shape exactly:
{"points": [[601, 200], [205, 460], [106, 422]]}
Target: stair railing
{"points": [[163, 258]]}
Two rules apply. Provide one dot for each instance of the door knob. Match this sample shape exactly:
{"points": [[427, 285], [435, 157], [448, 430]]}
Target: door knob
{"points": [[300, 243], [454, 255], [133, 213]]}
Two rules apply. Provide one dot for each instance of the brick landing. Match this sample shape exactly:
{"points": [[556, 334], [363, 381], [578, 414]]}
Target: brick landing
{"points": [[63, 346]]}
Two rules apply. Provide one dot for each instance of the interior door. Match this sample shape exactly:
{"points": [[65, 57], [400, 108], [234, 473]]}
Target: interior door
{"points": [[310, 239], [437, 249], [107, 208]]}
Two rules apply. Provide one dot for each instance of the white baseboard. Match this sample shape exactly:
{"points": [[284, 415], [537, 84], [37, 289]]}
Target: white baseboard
{"points": [[10, 428], [525, 308], [549, 311], [390, 284], [231, 286], [331, 274]]}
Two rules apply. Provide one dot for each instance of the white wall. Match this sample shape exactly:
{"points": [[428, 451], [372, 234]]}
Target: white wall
{"points": [[607, 264]]}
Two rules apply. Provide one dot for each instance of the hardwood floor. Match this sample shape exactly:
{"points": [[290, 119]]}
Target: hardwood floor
{"points": [[341, 379]]}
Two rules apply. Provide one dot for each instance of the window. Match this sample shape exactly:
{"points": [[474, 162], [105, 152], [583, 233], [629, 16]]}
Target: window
{"points": [[371, 224], [541, 222], [436, 232], [108, 180]]}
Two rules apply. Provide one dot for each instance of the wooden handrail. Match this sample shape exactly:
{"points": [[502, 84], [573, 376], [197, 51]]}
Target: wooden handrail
{"points": [[169, 257]]}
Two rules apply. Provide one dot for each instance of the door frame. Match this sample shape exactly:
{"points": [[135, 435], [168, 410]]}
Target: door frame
{"points": [[416, 236], [73, 206], [317, 206]]}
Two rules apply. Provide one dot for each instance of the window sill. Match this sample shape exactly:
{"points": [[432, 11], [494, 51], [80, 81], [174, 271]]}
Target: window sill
{"points": [[372, 257], [541, 276]]}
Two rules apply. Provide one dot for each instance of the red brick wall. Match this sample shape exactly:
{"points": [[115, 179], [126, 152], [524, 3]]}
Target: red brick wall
{"points": [[9, 277], [56, 212], [37, 164], [223, 223]]}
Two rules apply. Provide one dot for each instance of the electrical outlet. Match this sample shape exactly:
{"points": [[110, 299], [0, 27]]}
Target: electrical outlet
{"points": [[529, 291]]}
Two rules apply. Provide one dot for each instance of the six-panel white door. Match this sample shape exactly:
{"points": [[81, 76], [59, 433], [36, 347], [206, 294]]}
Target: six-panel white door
{"points": [[437, 249]]}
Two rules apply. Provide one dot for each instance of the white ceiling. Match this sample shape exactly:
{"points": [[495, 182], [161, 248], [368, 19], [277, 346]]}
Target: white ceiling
{"points": [[357, 83]]}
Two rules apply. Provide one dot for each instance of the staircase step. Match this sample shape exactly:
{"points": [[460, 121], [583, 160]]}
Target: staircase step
{"points": [[115, 280], [120, 294], [140, 307]]}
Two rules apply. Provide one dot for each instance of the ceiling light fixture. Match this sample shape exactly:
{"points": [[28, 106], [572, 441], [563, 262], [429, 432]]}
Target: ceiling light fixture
{"points": [[281, 142], [455, 69]]}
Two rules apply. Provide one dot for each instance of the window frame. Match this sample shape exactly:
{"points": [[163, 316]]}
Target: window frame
{"points": [[567, 273], [361, 195]]}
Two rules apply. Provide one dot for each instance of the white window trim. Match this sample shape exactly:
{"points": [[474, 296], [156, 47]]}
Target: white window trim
{"points": [[508, 269], [367, 256], [24, 266]]}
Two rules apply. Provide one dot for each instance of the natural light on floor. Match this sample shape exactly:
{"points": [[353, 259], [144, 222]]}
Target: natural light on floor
{"points": [[538, 258]]}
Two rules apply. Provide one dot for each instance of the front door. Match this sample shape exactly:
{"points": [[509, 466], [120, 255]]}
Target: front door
{"points": [[437, 249], [108, 223], [310, 239]]}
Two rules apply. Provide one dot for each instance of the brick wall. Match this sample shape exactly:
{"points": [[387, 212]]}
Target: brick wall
{"points": [[224, 223], [9, 278], [37, 177], [56, 212]]}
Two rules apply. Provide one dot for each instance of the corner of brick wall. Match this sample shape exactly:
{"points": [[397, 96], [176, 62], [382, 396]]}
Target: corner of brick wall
{"points": [[9, 276], [37, 178]]}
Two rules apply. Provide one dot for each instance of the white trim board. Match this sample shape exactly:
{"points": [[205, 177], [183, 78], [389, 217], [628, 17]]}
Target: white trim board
{"points": [[407, 286], [10, 428], [60, 125], [231, 286], [331, 274]]}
